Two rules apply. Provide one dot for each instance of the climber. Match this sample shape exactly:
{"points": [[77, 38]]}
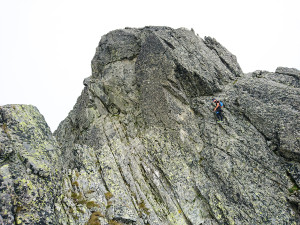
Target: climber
{"points": [[218, 110]]}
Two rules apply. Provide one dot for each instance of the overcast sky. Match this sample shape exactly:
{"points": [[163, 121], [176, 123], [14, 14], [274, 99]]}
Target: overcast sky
{"points": [[46, 46]]}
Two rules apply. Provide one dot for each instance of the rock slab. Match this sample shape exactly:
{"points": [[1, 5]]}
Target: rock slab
{"points": [[142, 145]]}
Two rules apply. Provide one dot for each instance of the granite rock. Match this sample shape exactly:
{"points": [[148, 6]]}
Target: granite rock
{"points": [[142, 144]]}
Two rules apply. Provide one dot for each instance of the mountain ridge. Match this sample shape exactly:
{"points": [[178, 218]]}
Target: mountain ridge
{"points": [[142, 145]]}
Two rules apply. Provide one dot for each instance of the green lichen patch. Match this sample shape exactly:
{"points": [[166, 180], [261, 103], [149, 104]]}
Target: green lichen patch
{"points": [[19, 208], [114, 222], [78, 198], [75, 217], [90, 191], [75, 183], [4, 127], [109, 204], [143, 207], [108, 195], [80, 210], [92, 204], [293, 189], [94, 218]]}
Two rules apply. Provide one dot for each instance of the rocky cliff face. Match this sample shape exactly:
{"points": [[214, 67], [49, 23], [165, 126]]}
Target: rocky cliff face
{"points": [[30, 166], [142, 145]]}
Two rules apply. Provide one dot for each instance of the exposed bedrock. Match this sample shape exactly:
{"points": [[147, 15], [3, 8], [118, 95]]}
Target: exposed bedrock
{"points": [[142, 144]]}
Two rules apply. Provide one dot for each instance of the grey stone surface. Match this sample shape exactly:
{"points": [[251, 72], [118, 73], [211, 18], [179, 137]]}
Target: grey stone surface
{"points": [[29, 167], [142, 145]]}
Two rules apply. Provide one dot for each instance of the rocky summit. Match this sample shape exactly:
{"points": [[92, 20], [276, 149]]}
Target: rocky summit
{"points": [[142, 145]]}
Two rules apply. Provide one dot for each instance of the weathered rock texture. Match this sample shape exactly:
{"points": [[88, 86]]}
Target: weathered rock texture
{"points": [[30, 166], [142, 145]]}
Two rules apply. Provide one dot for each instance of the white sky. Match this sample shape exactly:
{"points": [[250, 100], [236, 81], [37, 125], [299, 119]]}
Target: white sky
{"points": [[46, 46]]}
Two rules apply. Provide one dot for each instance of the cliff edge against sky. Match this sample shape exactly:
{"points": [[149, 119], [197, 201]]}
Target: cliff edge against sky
{"points": [[142, 144]]}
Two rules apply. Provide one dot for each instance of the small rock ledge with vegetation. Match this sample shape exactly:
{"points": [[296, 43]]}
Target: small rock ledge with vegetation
{"points": [[142, 144]]}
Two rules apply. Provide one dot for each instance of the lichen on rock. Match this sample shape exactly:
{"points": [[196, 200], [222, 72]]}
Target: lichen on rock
{"points": [[142, 145], [30, 167]]}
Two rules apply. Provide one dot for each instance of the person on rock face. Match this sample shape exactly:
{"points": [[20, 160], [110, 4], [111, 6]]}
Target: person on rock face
{"points": [[218, 110]]}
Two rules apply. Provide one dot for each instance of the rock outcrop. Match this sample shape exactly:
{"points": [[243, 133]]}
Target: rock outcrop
{"points": [[30, 166], [142, 145]]}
